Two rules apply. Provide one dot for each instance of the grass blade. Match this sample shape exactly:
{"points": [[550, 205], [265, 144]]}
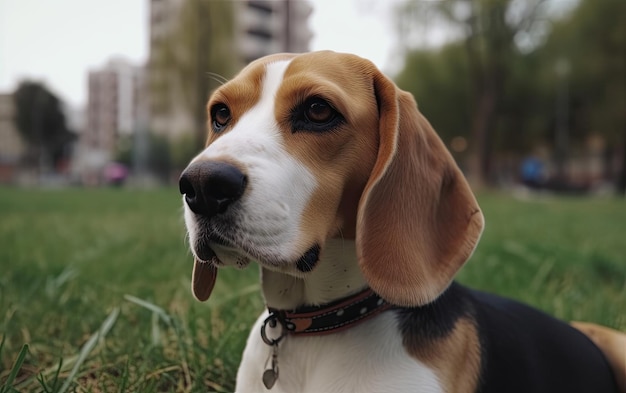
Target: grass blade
{"points": [[55, 379], [171, 322], [16, 368], [125, 377], [218, 301], [89, 346], [150, 306], [4, 337]]}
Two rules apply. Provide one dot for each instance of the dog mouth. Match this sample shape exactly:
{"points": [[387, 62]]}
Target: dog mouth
{"points": [[204, 248], [224, 241], [221, 252]]}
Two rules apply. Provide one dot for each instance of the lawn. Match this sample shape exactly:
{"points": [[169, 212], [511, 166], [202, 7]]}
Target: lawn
{"points": [[96, 284]]}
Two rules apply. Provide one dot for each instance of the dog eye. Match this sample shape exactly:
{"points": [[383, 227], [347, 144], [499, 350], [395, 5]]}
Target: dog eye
{"points": [[315, 114], [221, 116], [318, 111]]}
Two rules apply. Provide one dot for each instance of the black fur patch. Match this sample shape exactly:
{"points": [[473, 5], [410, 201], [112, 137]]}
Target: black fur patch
{"points": [[307, 262], [425, 324]]}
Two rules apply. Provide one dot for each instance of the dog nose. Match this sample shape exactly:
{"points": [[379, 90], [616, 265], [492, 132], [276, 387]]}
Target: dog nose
{"points": [[210, 187]]}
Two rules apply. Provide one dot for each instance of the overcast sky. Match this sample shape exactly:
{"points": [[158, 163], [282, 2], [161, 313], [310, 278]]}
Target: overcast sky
{"points": [[58, 41]]}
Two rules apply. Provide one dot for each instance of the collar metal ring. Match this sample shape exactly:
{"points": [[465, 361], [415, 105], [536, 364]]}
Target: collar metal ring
{"points": [[272, 320]]}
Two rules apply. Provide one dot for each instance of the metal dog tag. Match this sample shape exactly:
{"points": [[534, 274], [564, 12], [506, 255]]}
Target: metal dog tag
{"points": [[269, 378], [271, 374]]}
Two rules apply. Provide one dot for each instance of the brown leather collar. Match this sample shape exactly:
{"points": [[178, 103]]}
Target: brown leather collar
{"points": [[326, 319], [316, 321]]}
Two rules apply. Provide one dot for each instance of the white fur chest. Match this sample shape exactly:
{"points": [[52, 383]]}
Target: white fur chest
{"points": [[367, 358]]}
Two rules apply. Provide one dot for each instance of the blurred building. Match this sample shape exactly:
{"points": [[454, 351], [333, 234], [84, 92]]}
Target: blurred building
{"points": [[114, 104], [12, 148], [263, 27], [259, 28]]}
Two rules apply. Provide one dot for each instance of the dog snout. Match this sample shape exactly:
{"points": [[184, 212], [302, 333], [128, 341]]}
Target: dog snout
{"points": [[210, 187]]}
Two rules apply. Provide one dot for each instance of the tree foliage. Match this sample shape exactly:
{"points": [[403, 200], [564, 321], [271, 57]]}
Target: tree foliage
{"points": [[593, 41], [439, 81], [498, 82], [193, 59], [41, 121], [487, 30]]}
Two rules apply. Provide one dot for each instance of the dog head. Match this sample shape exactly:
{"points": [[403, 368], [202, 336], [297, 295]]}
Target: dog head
{"points": [[304, 148]]}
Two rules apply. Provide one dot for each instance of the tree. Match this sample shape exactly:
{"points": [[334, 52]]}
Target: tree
{"points": [[438, 79], [41, 122], [490, 31], [554, 89], [592, 39], [192, 60]]}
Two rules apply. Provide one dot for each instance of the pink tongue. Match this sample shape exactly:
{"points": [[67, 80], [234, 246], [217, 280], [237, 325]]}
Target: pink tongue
{"points": [[203, 279]]}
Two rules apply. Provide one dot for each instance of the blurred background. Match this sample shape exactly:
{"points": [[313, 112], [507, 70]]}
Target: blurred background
{"points": [[523, 92]]}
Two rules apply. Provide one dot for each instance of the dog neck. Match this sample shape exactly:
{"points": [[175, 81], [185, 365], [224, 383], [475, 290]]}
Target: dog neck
{"points": [[336, 276]]}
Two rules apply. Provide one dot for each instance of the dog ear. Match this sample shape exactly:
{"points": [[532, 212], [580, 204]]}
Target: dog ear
{"points": [[203, 279], [418, 221]]}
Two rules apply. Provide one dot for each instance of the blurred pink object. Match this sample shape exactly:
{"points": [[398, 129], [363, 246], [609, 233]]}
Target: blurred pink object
{"points": [[115, 173]]}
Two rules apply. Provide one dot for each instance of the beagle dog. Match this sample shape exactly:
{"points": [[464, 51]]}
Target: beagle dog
{"points": [[322, 171]]}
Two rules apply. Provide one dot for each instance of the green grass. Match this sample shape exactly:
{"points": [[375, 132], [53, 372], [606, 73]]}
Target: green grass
{"points": [[566, 256], [71, 258], [94, 285]]}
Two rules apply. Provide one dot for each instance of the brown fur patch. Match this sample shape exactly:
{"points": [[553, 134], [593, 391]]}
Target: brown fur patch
{"points": [[340, 159], [418, 219], [241, 93], [455, 358]]}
